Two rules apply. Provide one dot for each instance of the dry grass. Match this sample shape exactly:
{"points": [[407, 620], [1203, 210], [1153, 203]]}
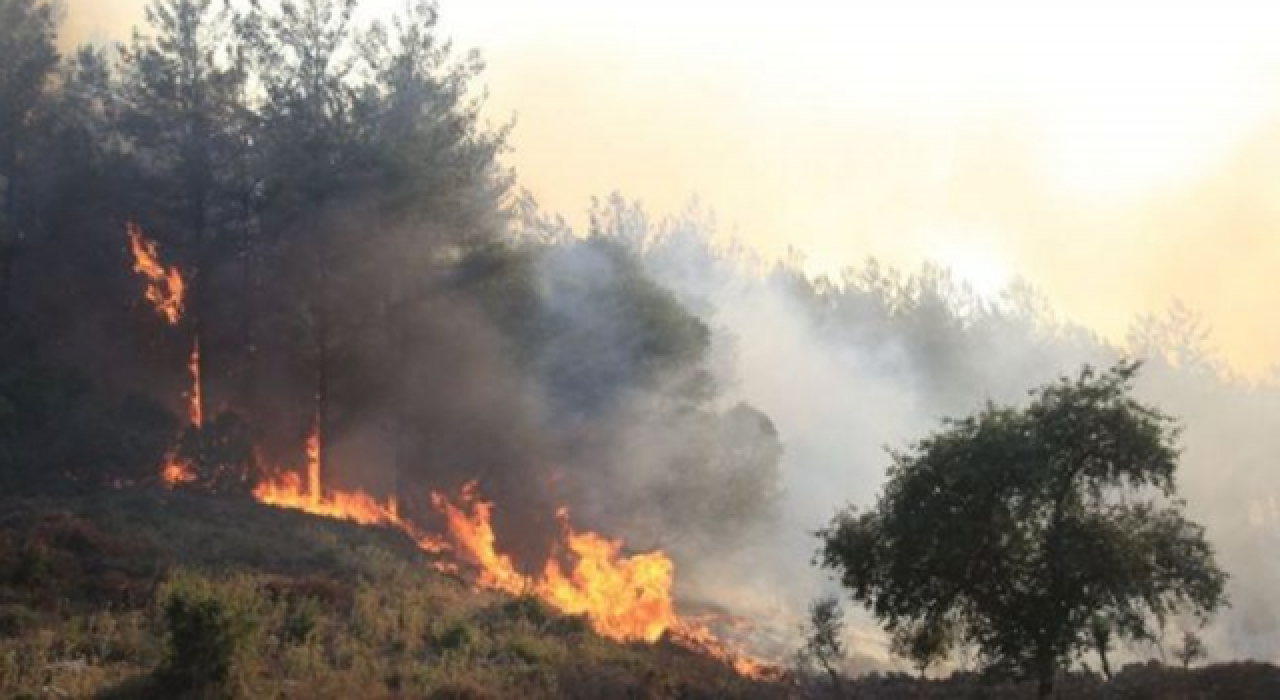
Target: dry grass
{"points": [[327, 610]]}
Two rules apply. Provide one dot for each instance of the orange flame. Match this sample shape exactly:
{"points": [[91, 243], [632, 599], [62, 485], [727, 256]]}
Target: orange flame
{"points": [[177, 471], [473, 533], [288, 490], [166, 290], [626, 598], [195, 399]]}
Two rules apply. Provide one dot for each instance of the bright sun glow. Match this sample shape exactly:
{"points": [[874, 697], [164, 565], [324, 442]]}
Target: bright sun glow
{"points": [[984, 269]]}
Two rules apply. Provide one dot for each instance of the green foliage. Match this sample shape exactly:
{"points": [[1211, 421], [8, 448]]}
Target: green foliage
{"points": [[528, 609], [56, 423], [458, 636], [33, 567], [1019, 525], [300, 621], [1190, 650], [925, 643], [611, 328], [209, 639], [824, 639], [29, 56], [16, 619], [1101, 635]]}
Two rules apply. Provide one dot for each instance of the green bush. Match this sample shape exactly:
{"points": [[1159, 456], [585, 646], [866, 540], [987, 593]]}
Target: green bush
{"points": [[34, 566], [16, 619], [528, 609], [534, 650], [208, 637], [300, 621], [457, 636]]}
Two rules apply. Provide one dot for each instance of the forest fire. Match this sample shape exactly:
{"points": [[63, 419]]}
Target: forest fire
{"points": [[290, 490], [625, 598], [166, 289]]}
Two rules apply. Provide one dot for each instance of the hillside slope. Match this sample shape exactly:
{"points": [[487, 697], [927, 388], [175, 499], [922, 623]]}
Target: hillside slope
{"points": [[137, 594], [148, 594]]}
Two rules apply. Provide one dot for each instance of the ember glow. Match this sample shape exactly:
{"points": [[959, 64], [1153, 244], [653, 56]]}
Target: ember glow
{"points": [[177, 471], [166, 289], [195, 398]]}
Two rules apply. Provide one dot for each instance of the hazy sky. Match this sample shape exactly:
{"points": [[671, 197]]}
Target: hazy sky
{"points": [[1116, 154]]}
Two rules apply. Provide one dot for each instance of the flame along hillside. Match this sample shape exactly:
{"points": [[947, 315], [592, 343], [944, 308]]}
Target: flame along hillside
{"points": [[627, 598]]}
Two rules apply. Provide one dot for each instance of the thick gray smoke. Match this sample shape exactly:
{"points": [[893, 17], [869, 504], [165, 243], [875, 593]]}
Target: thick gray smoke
{"points": [[846, 368]]}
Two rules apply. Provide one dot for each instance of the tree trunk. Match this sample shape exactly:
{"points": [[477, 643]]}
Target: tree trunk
{"points": [[1045, 675], [322, 372], [1106, 665], [198, 179], [400, 422], [837, 683], [248, 351], [8, 243], [6, 278]]}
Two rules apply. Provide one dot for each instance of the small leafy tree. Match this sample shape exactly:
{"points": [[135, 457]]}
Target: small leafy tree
{"points": [[1020, 525], [924, 644], [1100, 635], [823, 645], [1190, 650]]}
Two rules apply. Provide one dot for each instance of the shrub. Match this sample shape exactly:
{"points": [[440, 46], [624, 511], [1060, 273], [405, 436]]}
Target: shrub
{"points": [[300, 621], [527, 608], [208, 637], [537, 651], [34, 566], [457, 637], [16, 619]]}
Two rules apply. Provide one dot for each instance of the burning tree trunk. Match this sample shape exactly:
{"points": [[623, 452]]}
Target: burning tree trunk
{"points": [[322, 321], [198, 171]]}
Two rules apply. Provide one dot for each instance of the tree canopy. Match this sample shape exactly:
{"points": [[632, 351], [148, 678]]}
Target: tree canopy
{"points": [[1014, 529], [344, 226]]}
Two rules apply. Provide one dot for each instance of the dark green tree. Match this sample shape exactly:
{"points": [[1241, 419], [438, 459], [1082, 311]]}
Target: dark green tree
{"points": [[183, 95], [824, 642], [1100, 634], [924, 644], [303, 57], [28, 58], [1018, 525], [1190, 650]]}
